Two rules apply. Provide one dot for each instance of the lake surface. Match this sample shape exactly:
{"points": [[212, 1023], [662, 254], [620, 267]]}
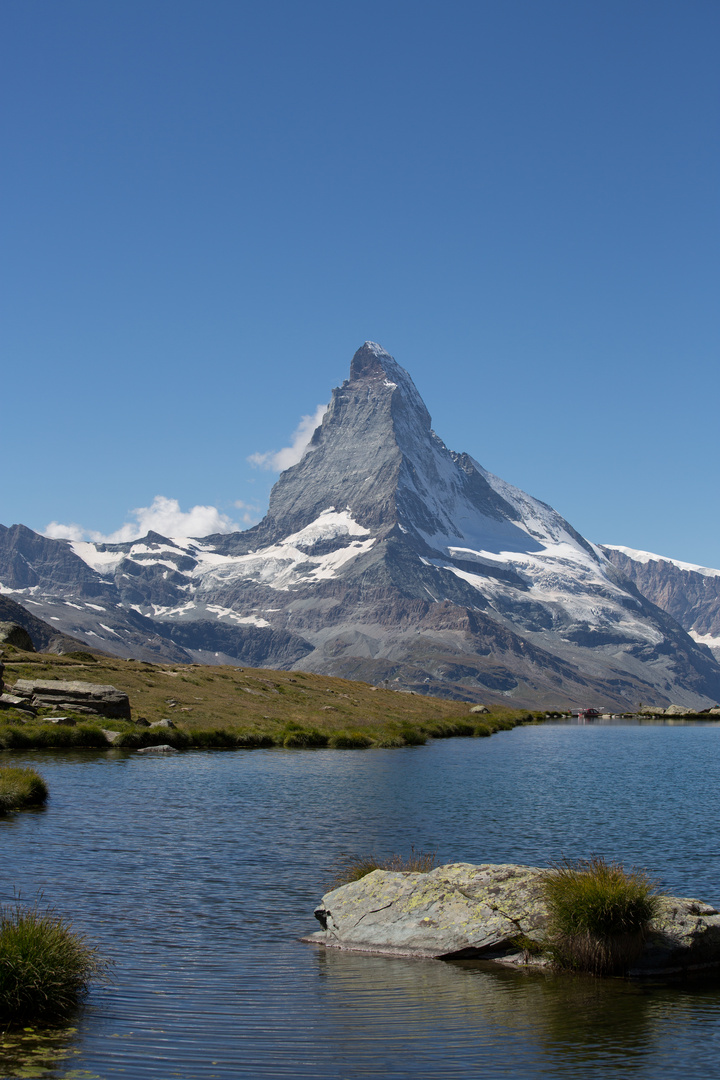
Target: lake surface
{"points": [[198, 872]]}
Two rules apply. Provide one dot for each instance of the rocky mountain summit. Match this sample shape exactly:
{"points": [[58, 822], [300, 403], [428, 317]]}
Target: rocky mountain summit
{"points": [[383, 556]]}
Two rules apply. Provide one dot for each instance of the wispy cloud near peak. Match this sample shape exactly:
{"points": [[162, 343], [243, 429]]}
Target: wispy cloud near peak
{"points": [[277, 460]]}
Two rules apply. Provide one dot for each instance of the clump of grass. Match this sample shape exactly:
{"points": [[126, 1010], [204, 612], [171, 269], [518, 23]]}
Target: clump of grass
{"points": [[350, 740], [354, 867], [20, 788], [44, 966], [412, 736], [253, 740], [42, 736], [599, 915], [449, 729], [300, 738], [214, 739], [134, 740]]}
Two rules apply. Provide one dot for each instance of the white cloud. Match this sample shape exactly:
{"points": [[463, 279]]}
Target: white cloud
{"points": [[56, 531], [251, 512], [164, 516], [277, 460]]}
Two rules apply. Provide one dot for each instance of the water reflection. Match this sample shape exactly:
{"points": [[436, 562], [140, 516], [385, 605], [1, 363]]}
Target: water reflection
{"points": [[196, 874], [40, 1052]]}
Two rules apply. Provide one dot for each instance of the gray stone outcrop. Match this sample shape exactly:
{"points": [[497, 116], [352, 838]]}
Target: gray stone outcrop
{"points": [[82, 697], [491, 911]]}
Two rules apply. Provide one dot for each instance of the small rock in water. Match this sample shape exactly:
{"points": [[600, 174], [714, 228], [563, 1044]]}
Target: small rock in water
{"points": [[163, 748]]}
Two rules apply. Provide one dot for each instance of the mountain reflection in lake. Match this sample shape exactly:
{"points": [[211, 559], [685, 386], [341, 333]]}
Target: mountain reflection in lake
{"points": [[197, 874]]}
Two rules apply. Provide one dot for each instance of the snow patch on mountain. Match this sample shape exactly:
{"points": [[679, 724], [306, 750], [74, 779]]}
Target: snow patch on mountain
{"points": [[104, 563], [286, 563]]}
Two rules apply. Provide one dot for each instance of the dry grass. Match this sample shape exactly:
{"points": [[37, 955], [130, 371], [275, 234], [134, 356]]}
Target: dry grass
{"points": [[354, 867], [215, 706]]}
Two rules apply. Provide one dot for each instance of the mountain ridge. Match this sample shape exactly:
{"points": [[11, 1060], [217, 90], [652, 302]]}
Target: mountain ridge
{"points": [[387, 557]]}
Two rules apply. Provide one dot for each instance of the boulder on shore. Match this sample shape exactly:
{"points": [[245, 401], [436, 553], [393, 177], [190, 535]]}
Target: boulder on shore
{"points": [[494, 912], [82, 697]]}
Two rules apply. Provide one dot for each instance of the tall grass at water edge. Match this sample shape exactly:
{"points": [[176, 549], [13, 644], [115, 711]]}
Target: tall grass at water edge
{"points": [[21, 788], [599, 915], [87, 733], [45, 967]]}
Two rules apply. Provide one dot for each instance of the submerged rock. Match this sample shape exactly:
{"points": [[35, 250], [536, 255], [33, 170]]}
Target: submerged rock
{"points": [[496, 912]]}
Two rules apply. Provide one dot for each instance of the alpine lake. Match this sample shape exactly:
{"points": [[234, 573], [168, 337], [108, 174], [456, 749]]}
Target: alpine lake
{"points": [[197, 873]]}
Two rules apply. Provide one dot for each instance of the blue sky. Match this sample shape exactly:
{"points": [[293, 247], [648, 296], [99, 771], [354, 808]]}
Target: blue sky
{"points": [[209, 206]]}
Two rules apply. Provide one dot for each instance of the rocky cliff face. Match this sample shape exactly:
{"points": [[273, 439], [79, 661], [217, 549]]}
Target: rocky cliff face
{"points": [[690, 594], [384, 556]]}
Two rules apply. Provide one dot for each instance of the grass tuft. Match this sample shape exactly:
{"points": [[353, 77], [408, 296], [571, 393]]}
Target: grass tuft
{"points": [[44, 966], [354, 867], [350, 740], [298, 738], [599, 915], [20, 788]]}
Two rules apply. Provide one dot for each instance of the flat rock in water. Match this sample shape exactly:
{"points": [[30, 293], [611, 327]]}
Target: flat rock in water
{"points": [[163, 748], [463, 910], [454, 910]]}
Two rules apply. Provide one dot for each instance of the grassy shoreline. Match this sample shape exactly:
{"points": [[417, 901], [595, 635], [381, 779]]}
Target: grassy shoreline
{"points": [[227, 708]]}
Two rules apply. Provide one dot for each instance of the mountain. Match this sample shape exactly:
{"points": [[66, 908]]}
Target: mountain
{"points": [[383, 556], [45, 637], [690, 593]]}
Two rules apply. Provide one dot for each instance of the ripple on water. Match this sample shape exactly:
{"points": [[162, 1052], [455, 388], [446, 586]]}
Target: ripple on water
{"points": [[197, 874]]}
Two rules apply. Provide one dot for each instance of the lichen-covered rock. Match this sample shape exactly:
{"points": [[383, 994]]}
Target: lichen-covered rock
{"points": [[82, 697], [492, 911], [685, 936], [454, 910]]}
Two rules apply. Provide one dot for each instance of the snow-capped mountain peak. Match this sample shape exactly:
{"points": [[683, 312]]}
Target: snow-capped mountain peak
{"points": [[384, 556]]}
